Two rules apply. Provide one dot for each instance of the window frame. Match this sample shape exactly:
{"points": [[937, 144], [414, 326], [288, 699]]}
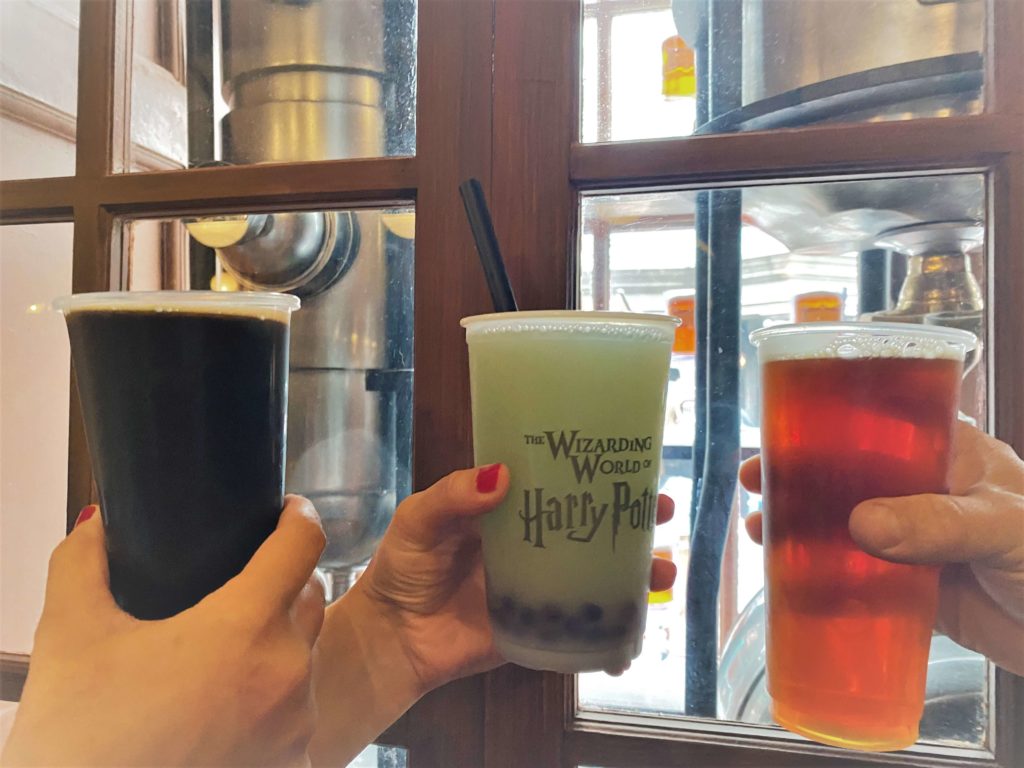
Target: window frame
{"points": [[503, 77]]}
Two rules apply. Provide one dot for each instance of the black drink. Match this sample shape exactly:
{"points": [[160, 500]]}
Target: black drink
{"points": [[185, 419]]}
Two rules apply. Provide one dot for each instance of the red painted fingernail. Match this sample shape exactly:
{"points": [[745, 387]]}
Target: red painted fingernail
{"points": [[85, 514], [487, 478]]}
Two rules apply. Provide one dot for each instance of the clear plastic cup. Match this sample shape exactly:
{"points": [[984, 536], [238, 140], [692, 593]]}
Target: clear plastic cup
{"points": [[850, 412], [573, 403], [184, 396]]}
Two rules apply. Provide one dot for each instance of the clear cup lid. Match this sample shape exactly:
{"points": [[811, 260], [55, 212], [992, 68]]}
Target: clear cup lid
{"points": [[254, 303], [860, 339], [562, 320]]}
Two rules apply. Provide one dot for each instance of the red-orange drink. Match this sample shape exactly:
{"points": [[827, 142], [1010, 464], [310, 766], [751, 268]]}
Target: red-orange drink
{"points": [[850, 412]]}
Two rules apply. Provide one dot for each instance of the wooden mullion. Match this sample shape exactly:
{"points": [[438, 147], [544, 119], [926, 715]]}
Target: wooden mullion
{"points": [[1006, 405], [37, 201], [625, 750], [1004, 66], [453, 142], [536, 95], [104, 85], [97, 266], [180, 192], [276, 186], [952, 142]]}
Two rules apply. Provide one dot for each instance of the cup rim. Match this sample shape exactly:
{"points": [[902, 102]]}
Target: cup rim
{"points": [[578, 315], [931, 332], [239, 302]]}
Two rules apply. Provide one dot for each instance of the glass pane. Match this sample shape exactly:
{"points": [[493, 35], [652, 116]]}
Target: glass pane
{"points": [[253, 81], [38, 87], [826, 250], [350, 388], [379, 756], [35, 376], [775, 63]]}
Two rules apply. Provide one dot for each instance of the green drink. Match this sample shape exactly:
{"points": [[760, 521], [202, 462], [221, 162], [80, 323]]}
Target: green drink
{"points": [[573, 403]]}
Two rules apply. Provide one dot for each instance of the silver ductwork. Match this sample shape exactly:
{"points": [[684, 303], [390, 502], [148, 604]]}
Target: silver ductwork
{"points": [[304, 80]]}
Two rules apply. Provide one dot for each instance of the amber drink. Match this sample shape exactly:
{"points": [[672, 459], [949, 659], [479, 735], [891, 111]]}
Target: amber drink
{"points": [[850, 412]]}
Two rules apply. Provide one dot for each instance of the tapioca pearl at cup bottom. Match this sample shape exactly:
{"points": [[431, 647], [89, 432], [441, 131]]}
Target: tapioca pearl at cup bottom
{"points": [[629, 613], [527, 616], [503, 611], [551, 614], [617, 631], [589, 623]]}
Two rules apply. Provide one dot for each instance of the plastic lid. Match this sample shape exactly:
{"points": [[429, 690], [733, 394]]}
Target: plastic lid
{"points": [[252, 303], [861, 340], [634, 325]]}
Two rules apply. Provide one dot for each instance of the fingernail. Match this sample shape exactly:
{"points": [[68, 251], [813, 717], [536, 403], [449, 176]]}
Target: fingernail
{"points": [[878, 526], [487, 478], [85, 514]]}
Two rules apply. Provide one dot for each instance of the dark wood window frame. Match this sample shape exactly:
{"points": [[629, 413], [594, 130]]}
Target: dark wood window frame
{"points": [[498, 99]]}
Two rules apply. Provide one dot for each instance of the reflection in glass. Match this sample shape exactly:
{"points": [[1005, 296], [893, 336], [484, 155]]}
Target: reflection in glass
{"points": [[907, 249], [775, 63], [350, 388], [252, 81], [380, 756]]}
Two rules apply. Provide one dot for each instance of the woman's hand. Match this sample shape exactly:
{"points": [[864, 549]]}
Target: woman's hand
{"points": [[427, 577], [417, 618], [226, 682], [976, 532]]}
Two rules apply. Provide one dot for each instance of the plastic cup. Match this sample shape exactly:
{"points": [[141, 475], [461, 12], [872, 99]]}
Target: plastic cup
{"points": [[184, 396], [850, 412], [573, 403]]}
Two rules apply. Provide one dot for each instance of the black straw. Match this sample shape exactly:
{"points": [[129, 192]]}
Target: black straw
{"points": [[487, 246]]}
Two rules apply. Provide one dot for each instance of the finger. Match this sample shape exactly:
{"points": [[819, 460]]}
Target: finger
{"points": [[78, 576], [969, 615], [936, 529], [663, 574], [618, 671], [282, 565], [750, 474], [308, 610], [666, 508], [753, 524], [425, 517]]}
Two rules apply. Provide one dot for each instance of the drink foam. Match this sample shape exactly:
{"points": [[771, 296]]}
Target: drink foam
{"points": [[249, 304], [627, 326], [855, 341]]}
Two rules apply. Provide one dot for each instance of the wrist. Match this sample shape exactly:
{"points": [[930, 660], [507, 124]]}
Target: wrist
{"points": [[377, 636], [362, 679]]}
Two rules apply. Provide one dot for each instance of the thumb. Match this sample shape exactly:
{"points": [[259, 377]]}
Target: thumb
{"points": [[424, 516], [78, 578], [935, 529]]}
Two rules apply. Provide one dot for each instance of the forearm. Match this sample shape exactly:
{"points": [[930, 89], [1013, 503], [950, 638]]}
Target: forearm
{"points": [[362, 679]]}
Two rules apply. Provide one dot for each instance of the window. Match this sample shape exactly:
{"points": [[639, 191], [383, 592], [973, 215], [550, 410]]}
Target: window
{"points": [[502, 90], [796, 242]]}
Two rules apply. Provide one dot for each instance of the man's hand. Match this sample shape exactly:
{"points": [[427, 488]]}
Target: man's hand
{"points": [[976, 532]]}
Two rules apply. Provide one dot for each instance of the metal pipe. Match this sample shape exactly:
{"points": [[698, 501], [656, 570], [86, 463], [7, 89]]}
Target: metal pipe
{"points": [[721, 456], [722, 415]]}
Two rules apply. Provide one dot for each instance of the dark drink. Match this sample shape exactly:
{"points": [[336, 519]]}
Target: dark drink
{"points": [[847, 419], [184, 399]]}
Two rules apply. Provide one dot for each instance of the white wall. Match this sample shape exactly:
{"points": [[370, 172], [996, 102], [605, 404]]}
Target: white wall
{"points": [[35, 267]]}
